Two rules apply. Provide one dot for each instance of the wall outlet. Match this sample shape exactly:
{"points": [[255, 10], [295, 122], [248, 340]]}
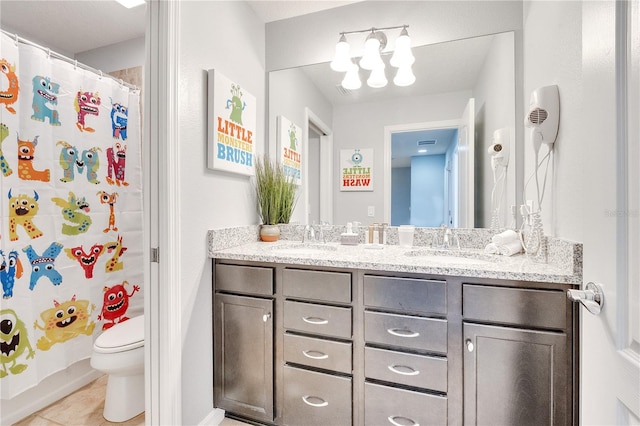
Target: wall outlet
{"points": [[371, 211]]}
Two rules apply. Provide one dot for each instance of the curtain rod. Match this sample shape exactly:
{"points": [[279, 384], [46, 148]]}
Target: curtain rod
{"points": [[74, 62]]}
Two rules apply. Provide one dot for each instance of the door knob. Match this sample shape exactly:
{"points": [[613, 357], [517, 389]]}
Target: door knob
{"points": [[592, 297]]}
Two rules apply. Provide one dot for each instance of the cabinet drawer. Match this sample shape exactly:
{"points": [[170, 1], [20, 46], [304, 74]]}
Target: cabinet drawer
{"points": [[318, 353], [317, 285], [312, 398], [406, 294], [318, 319], [406, 369], [244, 279], [532, 308], [384, 405], [405, 331]]}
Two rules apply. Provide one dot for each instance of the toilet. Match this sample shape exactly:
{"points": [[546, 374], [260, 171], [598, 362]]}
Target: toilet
{"points": [[119, 352]]}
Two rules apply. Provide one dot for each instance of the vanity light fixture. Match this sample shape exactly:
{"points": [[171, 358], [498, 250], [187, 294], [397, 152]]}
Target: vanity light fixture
{"points": [[375, 43]]}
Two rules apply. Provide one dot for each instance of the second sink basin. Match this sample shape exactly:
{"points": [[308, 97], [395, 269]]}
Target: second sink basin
{"points": [[303, 249], [454, 256]]}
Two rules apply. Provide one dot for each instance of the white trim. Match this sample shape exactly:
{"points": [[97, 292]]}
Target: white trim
{"points": [[163, 357], [214, 418], [386, 166], [326, 167]]}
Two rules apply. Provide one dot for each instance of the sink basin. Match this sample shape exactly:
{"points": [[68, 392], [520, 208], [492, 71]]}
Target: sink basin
{"points": [[454, 257], [304, 249]]}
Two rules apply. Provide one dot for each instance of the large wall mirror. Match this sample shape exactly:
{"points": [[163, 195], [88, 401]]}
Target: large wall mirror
{"points": [[400, 123]]}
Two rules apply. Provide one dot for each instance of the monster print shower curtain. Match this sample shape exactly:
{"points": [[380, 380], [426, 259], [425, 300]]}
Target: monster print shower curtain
{"points": [[70, 210]]}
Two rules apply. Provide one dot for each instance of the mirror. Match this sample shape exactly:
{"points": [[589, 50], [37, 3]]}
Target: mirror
{"points": [[448, 75]]}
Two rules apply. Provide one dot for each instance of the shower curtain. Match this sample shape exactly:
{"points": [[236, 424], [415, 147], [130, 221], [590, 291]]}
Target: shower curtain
{"points": [[71, 212]]}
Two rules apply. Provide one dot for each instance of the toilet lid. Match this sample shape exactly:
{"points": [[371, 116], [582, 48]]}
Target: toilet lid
{"points": [[121, 337]]}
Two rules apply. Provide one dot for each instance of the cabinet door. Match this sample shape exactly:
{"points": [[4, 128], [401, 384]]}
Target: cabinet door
{"points": [[515, 376], [243, 355]]}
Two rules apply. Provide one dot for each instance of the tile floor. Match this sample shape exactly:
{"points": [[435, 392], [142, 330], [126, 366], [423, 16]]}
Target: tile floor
{"points": [[81, 408], [84, 408]]}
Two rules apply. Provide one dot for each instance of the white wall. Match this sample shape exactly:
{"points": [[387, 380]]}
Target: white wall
{"points": [[362, 126], [553, 55], [119, 56], [229, 37], [495, 105], [290, 92]]}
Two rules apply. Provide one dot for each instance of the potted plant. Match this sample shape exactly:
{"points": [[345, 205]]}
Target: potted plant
{"points": [[275, 196]]}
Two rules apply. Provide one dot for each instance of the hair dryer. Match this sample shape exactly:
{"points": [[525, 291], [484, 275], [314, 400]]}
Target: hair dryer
{"points": [[543, 117], [499, 148]]}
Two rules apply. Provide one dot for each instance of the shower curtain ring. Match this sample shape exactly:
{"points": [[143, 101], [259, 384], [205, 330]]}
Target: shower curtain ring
{"points": [[100, 74], [48, 53], [16, 38], [75, 65]]}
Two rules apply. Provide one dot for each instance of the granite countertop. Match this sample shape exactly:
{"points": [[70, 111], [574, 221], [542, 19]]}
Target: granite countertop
{"points": [[562, 264]]}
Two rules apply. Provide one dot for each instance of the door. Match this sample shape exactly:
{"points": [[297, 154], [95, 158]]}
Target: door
{"points": [[243, 355], [466, 142], [610, 342]]}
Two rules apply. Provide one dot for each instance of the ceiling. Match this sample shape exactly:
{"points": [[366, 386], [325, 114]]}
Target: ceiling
{"points": [[74, 26]]}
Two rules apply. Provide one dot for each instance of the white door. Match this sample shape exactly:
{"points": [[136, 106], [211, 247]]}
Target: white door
{"points": [[610, 342], [466, 142]]}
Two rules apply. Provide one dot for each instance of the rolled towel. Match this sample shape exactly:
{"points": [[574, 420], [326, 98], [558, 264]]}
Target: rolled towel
{"points": [[505, 237], [511, 248], [491, 248]]}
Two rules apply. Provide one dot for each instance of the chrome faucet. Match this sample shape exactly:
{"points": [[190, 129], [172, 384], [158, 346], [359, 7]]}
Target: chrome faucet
{"points": [[309, 234], [449, 237]]}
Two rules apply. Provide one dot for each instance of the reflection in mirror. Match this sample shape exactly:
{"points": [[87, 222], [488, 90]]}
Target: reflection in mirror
{"points": [[448, 76]]}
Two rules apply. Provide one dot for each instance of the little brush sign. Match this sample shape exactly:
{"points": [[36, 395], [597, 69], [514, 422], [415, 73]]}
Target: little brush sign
{"points": [[232, 126], [356, 169], [290, 148]]}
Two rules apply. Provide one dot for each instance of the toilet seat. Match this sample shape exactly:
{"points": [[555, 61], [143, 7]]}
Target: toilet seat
{"points": [[123, 336]]}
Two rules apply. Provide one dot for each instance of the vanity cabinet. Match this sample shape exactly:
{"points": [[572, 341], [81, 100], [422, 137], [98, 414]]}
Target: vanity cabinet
{"points": [[243, 341], [304, 345], [317, 347], [517, 356], [405, 355]]}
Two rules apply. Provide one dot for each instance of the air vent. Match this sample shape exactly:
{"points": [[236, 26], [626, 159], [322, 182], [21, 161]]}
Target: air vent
{"points": [[343, 91], [427, 142], [537, 116]]}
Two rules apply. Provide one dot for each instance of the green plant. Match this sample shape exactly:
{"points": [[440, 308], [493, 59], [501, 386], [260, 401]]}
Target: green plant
{"points": [[275, 192]]}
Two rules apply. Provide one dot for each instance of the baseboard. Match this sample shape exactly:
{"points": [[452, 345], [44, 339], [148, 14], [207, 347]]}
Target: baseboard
{"points": [[50, 390], [214, 418]]}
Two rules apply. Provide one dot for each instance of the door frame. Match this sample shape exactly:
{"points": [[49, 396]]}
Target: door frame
{"points": [[326, 167], [386, 168]]}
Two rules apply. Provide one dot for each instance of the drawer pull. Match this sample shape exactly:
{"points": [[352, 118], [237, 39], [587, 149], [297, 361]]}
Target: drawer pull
{"points": [[398, 369], [400, 332], [307, 400], [401, 421], [315, 320], [315, 354]]}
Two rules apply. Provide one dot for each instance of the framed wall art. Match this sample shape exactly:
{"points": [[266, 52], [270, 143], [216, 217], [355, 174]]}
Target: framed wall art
{"points": [[231, 119], [289, 142], [356, 169]]}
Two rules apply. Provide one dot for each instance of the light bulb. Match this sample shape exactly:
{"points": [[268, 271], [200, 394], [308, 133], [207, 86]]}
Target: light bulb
{"points": [[377, 78], [342, 60], [371, 58], [402, 55], [404, 76], [351, 79]]}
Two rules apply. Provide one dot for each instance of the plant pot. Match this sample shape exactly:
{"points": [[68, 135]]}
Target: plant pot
{"points": [[269, 233]]}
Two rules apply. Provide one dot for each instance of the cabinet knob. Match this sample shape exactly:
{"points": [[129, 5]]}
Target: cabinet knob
{"points": [[469, 344], [266, 317]]}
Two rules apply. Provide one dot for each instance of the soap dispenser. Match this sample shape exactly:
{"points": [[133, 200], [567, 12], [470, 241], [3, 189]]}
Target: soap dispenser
{"points": [[349, 237]]}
